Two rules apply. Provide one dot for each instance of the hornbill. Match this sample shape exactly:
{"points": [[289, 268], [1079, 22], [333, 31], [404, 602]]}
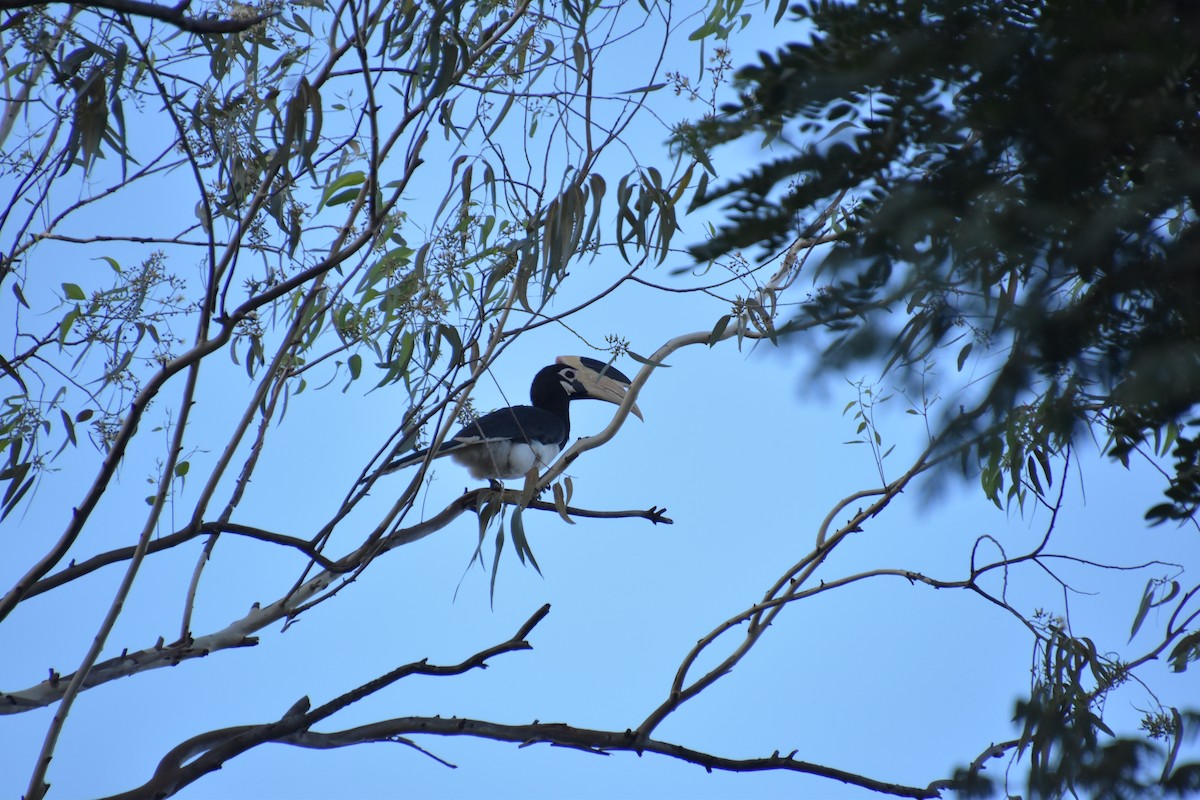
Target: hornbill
{"points": [[507, 443]]}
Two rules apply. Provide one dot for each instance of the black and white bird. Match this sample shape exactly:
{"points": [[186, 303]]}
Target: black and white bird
{"points": [[509, 442]]}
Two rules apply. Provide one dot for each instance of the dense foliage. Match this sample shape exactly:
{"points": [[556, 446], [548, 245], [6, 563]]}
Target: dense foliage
{"points": [[1024, 178], [1020, 185]]}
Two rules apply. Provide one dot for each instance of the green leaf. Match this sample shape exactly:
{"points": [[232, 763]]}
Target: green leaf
{"points": [[339, 186], [1176, 740], [560, 503], [397, 366], [342, 197], [182, 468], [450, 334], [517, 526], [719, 330], [73, 292], [11, 371], [580, 54], [1187, 650], [70, 427], [14, 475], [496, 563], [64, 327], [962, 354], [647, 361], [1148, 602], [16, 489], [650, 87]]}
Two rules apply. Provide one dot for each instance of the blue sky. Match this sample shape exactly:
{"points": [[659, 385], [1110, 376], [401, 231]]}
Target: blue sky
{"points": [[898, 682]]}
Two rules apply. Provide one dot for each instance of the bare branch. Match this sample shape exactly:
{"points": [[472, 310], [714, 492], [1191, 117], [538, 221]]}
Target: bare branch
{"points": [[210, 751], [172, 15], [598, 742], [169, 541], [159, 655], [979, 764], [239, 633]]}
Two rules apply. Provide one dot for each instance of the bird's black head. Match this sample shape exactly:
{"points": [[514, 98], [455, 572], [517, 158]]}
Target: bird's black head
{"points": [[580, 378]]}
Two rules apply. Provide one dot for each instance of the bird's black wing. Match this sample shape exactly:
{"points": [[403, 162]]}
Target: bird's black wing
{"points": [[515, 424], [524, 424]]}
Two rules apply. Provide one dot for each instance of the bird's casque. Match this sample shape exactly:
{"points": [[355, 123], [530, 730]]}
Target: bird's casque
{"points": [[508, 442]]}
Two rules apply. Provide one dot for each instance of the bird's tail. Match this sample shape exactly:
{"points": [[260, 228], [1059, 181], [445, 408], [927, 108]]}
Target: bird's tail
{"points": [[406, 460], [397, 463]]}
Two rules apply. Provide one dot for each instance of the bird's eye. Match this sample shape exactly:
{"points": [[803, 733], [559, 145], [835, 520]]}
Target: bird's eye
{"points": [[568, 374]]}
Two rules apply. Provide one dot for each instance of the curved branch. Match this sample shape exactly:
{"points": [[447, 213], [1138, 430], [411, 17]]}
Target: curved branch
{"points": [[239, 633], [196, 757], [160, 655], [744, 326], [556, 734], [172, 15], [209, 751], [979, 764], [162, 543]]}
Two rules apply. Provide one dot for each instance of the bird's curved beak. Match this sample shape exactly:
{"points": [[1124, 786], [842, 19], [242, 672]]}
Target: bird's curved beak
{"points": [[601, 381]]}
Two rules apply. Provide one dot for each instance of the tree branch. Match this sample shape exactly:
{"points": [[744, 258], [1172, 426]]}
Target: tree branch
{"points": [[196, 757], [556, 734], [239, 633], [172, 15], [209, 751], [160, 655], [94, 563]]}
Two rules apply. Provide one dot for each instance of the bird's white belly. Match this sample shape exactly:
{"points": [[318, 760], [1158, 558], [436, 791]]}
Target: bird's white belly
{"points": [[505, 459]]}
